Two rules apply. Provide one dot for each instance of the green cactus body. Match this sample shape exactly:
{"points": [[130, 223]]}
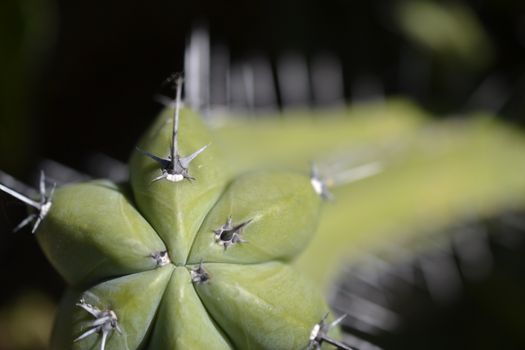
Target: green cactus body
{"points": [[176, 212], [185, 264], [94, 232], [261, 200]]}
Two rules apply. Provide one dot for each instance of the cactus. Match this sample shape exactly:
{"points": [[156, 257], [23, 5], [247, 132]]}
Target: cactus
{"points": [[232, 222], [187, 255]]}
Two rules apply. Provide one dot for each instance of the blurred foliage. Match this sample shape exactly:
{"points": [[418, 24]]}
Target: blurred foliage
{"points": [[436, 173], [26, 35], [450, 30], [25, 324]]}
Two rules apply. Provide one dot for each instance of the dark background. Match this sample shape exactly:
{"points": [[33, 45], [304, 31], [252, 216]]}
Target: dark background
{"points": [[96, 69]]}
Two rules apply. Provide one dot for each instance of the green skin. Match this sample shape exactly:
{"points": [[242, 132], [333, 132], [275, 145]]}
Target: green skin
{"points": [[102, 239], [94, 232], [176, 212], [436, 173]]}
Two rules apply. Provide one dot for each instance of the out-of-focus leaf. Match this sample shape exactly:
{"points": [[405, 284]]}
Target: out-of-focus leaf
{"points": [[448, 29], [435, 173]]}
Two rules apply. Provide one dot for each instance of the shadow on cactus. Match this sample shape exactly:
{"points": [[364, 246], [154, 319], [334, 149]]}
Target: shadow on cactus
{"points": [[186, 256]]}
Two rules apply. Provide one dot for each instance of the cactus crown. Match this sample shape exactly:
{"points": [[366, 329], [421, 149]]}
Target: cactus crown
{"points": [[175, 264]]}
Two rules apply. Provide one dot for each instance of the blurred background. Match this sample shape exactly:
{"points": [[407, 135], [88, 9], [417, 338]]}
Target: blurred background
{"points": [[432, 90]]}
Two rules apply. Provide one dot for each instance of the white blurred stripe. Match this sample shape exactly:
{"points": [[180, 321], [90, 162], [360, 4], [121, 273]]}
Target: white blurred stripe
{"points": [[327, 81], [197, 69], [264, 88], [220, 77], [293, 81]]}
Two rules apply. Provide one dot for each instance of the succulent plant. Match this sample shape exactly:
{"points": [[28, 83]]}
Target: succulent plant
{"points": [[159, 237], [187, 255]]}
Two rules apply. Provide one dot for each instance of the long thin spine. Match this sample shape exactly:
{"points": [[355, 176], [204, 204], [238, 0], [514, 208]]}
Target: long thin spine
{"points": [[176, 116], [20, 197]]}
